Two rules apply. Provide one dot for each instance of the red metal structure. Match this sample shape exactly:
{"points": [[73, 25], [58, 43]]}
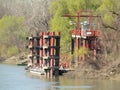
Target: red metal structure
{"points": [[41, 50], [31, 44], [86, 32], [45, 50]]}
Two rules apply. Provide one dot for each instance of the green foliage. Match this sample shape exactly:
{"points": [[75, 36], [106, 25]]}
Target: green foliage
{"points": [[109, 4], [11, 51], [106, 8], [80, 52], [10, 25], [2, 51], [59, 23], [11, 34], [8, 51], [108, 18]]}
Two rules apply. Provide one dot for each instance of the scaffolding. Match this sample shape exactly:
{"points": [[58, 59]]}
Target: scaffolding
{"points": [[45, 52]]}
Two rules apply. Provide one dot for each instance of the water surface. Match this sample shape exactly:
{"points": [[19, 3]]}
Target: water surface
{"points": [[16, 78]]}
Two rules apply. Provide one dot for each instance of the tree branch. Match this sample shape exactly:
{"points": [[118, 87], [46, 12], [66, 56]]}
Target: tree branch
{"points": [[114, 13]]}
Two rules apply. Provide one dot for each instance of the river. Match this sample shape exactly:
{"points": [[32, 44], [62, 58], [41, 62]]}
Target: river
{"points": [[16, 78]]}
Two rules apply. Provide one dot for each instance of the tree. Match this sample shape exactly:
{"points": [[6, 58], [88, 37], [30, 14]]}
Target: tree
{"points": [[19, 18], [35, 12], [11, 35], [109, 11]]}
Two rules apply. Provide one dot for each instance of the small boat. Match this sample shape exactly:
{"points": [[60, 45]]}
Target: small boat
{"points": [[39, 71]]}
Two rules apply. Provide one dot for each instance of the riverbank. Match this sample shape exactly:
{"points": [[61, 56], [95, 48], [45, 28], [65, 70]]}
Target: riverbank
{"points": [[11, 60], [15, 59], [111, 71]]}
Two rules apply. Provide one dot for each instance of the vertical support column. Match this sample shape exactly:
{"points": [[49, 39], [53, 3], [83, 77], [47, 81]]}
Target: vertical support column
{"points": [[77, 43], [90, 21], [31, 44], [78, 21], [44, 47], [72, 45], [95, 51], [52, 53], [86, 44], [37, 49], [45, 53], [77, 47], [57, 54], [83, 57], [41, 50], [44, 43]]}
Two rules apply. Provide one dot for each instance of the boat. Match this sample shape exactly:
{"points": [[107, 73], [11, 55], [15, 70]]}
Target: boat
{"points": [[39, 71]]}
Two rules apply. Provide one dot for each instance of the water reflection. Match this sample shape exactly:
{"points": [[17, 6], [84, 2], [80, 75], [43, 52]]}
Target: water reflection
{"points": [[62, 83], [71, 87], [15, 78], [69, 84]]}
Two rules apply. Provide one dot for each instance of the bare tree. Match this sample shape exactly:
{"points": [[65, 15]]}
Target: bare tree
{"points": [[35, 11]]}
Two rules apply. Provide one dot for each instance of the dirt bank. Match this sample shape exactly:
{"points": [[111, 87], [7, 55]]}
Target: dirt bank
{"points": [[86, 71], [15, 59]]}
